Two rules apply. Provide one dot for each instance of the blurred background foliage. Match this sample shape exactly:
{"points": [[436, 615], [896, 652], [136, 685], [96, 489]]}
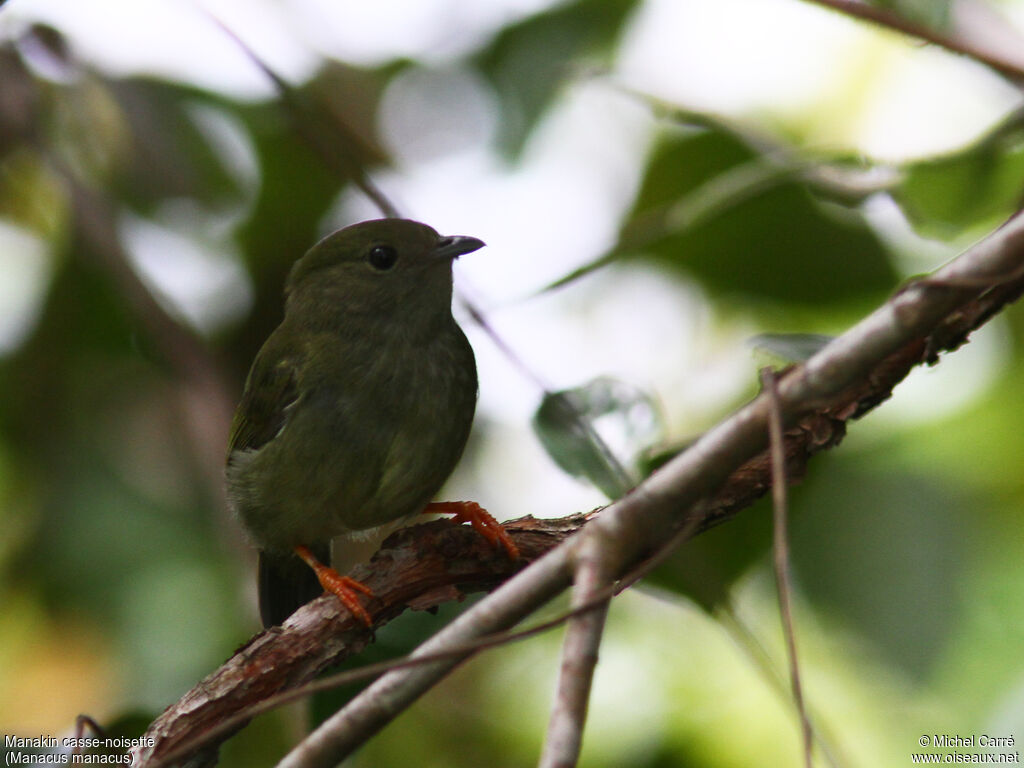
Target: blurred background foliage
{"points": [[659, 182]]}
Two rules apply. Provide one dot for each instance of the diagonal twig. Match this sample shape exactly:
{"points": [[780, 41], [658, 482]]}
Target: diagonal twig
{"points": [[323, 131], [780, 551], [579, 657], [1011, 67]]}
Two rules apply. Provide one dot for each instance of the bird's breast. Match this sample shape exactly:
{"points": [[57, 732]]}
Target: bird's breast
{"points": [[376, 431]]}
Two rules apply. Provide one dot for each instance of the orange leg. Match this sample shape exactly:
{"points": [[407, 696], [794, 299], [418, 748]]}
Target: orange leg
{"points": [[481, 520], [344, 588]]}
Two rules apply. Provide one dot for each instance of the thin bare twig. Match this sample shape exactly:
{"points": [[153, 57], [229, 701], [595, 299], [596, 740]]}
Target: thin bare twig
{"points": [[579, 657], [1012, 68], [320, 128], [83, 722], [780, 551], [745, 638]]}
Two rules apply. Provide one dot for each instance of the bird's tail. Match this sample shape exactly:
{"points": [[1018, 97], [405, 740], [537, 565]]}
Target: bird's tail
{"points": [[286, 583]]}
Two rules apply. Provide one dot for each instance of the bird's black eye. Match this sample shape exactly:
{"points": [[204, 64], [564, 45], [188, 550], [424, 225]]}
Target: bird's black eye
{"points": [[382, 257]]}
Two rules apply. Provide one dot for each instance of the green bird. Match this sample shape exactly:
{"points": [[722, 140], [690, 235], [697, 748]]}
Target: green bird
{"points": [[356, 409]]}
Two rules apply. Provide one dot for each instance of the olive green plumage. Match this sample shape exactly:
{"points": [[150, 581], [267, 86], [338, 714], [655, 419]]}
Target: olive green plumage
{"points": [[359, 404]]}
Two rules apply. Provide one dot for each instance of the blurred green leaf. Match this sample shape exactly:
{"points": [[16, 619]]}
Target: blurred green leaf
{"points": [[706, 567], [766, 236], [871, 558], [527, 62], [975, 188], [168, 155], [578, 428], [84, 332], [31, 195]]}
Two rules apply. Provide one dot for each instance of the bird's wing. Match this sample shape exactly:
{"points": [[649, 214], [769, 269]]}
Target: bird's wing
{"points": [[271, 389]]}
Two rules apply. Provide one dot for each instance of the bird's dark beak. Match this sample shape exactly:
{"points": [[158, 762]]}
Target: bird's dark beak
{"points": [[454, 246]]}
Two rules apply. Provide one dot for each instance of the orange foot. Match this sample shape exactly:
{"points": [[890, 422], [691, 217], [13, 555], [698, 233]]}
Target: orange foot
{"points": [[342, 587], [481, 520]]}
